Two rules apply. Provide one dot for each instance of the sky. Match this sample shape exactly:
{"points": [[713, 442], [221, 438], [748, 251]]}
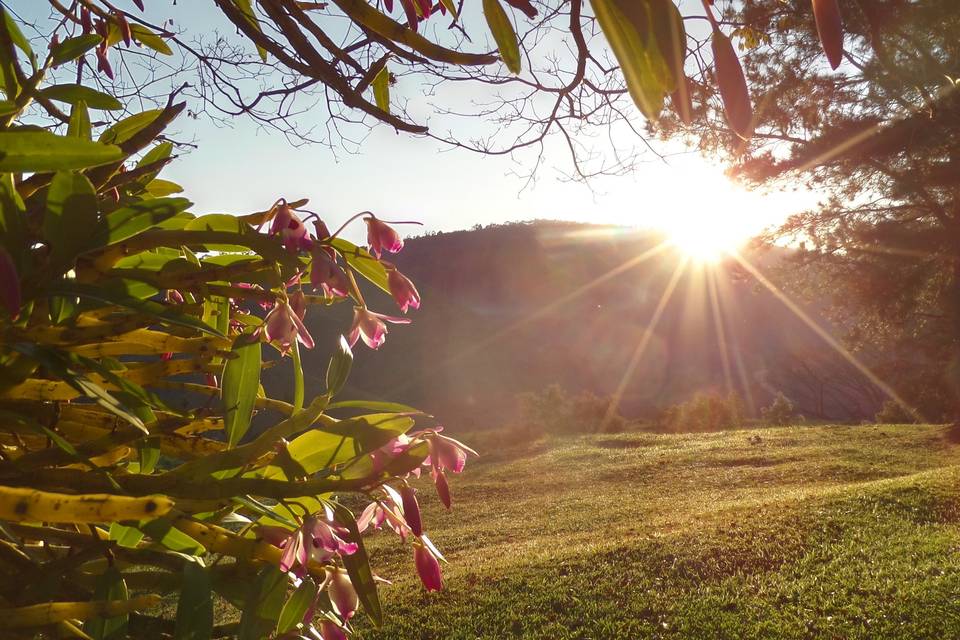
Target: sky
{"points": [[242, 168]]}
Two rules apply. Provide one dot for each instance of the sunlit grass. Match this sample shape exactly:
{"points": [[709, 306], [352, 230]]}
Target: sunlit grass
{"points": [[812, 532]]}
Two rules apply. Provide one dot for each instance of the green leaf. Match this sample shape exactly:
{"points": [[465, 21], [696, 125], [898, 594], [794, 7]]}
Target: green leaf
{"points": [[374, 405], [358, 566], [241, 378], [16, 35], [629, 40], [195, 607], [73, 48], [125, 536], [148, 452], [161, 188], [296, 607], [44, 151], [72, 213], [671, 39], [361, 261], [129, 127], [148, 38], [503, 34], [246, 8], [110, 586], [264, 604], [342, 440], [129, 221], [74, 93], [381, 89], [79, 126], [162, 531], [121, 299], [339, 367]]}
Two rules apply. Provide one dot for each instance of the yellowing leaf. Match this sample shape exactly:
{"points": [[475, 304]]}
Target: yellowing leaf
{"points": [[503, 33]]}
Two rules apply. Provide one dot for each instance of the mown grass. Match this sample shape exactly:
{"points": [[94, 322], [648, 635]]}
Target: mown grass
{"points": [[812, 532]]}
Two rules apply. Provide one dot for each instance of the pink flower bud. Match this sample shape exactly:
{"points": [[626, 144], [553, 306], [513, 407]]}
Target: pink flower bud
{"points": [[291, 230], [331, 631], [411, 510], [443, 489], [342, 594], [403, 291], [326, 274], [382, 237], [427, 568]]}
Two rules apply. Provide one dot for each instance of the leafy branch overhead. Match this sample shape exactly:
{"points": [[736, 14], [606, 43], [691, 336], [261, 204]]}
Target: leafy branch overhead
{"points": [[139, 452]]}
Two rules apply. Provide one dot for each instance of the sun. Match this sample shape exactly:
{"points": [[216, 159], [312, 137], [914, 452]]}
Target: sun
{"points": [[705, 215]]}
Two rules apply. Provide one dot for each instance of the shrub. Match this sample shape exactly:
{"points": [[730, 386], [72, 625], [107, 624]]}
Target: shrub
{"points": [[113, 297], [892, 412], [704, 412], [555, 411], [780, 411]]}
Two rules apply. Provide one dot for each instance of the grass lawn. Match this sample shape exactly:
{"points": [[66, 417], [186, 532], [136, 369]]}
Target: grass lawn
{"points": [[812, 532]]}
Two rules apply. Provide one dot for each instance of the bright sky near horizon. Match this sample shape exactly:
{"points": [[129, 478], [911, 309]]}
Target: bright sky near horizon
{"points": [[242, 168]]}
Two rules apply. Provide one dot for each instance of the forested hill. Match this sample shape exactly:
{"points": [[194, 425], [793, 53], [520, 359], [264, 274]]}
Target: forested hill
{"points": [[499, 317]]}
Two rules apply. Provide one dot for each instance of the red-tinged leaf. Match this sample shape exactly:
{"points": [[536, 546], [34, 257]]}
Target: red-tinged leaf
{"points": [[830, 29], [733, 85], [524, 5]]}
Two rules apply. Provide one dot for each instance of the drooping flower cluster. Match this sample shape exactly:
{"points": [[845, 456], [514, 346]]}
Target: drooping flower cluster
{"points": [[284, 325]]}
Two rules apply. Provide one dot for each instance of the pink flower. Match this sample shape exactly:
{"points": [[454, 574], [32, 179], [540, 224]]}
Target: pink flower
{"points": [[403, 291], [284, 325], [326, 274], [411, 510], [371, 327], [378, 513], [331, 631], [427, 568], [315, 540], [291, 230], [343, 596], [448, 454], [174, 296], [382, 237], [9, 285]]}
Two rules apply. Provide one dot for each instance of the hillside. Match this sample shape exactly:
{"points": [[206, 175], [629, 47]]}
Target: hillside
{"points": [[490, 326], [813, 532]]}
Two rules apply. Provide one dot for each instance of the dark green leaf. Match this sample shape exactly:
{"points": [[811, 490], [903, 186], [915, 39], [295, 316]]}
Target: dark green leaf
{"points": [[263, 606], [110, 586], [74, 93], [358, 566], [72, 213], [44, 151], [73, 48], [339, 367], [195, 608], [241, 378], [296, 607]]}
